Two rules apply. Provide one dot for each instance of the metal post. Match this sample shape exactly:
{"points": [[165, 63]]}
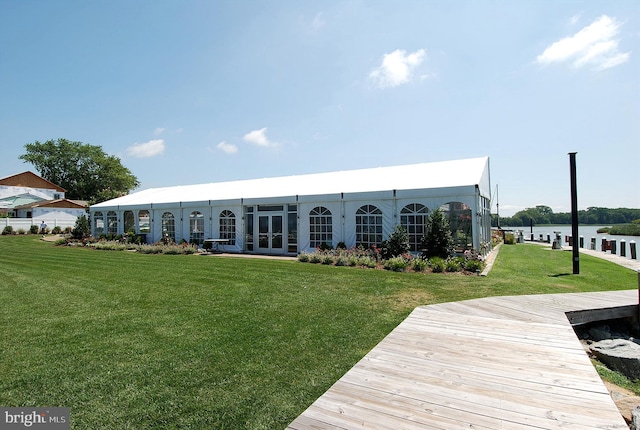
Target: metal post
{"points": [[574, 213]]}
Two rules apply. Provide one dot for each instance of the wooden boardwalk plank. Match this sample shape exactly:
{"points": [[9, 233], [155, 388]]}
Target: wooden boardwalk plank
{"points": [[500, 362]]}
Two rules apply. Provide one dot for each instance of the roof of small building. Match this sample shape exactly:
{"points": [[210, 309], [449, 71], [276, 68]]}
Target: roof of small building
{"points": [[466, 172], [31, 180], [57, 203]]}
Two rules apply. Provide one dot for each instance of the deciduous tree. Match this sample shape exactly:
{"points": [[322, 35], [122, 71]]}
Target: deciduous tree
{"points": [[85, 171]]}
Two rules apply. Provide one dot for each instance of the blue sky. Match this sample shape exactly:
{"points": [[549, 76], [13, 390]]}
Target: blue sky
{"points": [[187, 92]]}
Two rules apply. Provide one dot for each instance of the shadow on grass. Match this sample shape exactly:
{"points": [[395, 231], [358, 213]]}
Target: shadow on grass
{"points": [[559, 275]]}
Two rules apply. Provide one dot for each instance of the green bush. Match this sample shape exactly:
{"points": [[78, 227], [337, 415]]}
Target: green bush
{"points": [[341, 260], [7, 230], [473, 265], [56, 230], [396, 264], [437, 241], [419, 265], [452, 265], [327, 259], [397, 244], [315, 258], [366, 261], [437, 264], [81, 229], [303, 257], [34, 229]]}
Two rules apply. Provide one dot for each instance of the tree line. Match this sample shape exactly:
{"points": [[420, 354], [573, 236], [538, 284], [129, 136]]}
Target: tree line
{"points": [[544, 215]]}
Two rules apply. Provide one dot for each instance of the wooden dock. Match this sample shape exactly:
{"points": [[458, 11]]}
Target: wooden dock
{"points": [[492, 363]]}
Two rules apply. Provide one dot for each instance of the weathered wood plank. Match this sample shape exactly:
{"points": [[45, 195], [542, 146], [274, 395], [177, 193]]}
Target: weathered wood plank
{"points": [[500, 362]]}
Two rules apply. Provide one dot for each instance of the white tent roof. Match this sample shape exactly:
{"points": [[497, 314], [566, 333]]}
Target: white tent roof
{"points": [[467, 172]]}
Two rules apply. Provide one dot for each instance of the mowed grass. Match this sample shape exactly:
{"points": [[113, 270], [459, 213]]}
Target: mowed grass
{"points": [[132, 341]]}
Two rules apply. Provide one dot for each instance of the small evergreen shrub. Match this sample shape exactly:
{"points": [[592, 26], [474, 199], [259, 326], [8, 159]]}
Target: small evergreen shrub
{"points": [[437, 241], [34, 229], [7, 230], [56, 230], [397, 244], [81, 229]]}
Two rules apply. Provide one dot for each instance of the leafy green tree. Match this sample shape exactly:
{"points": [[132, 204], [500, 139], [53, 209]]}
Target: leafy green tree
{"points": [[85, 171], [437, 241]]}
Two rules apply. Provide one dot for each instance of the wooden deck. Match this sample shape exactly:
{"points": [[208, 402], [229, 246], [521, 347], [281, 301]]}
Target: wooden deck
{"points": [[493, 363]]}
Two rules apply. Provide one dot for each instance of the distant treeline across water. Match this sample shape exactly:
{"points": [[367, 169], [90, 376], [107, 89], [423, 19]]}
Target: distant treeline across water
{"points": [[591, 216]]}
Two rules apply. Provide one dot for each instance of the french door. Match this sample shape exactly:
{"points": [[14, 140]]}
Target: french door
{"points": [[270, 235]]}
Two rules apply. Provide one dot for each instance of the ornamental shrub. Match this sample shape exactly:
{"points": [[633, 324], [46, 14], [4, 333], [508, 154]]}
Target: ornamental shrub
{"points": [[437, 264], [396, 264], [81, 229], [437, 241], [397, 244], [34, 229], [473, 265], [303, 257], [419, 265], [452, 265], [7, 230]]}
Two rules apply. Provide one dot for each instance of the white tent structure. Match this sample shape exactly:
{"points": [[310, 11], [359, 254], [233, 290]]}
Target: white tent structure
{"points": [[292, 214]]}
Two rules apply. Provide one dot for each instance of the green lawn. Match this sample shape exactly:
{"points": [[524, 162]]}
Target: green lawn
{"points": [[168, 341]]}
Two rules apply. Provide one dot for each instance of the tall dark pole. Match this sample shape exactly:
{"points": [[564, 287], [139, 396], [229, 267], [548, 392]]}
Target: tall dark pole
{"points": [[574, 214]]}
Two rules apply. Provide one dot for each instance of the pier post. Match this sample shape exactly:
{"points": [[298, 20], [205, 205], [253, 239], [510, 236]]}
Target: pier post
{"points": [[581, 241], [604, 244], [632, 250], [593, 243], [613, 247], [623, 248]]}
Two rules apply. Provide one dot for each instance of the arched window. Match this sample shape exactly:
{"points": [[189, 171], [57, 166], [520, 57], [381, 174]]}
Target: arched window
{"points": [[196, 227], [144, 221], [169, 226], [368, 226], [112, 223], [459, 216], [129, 222], [98, 223], [320, 227], [228, 226], [413, 217]]}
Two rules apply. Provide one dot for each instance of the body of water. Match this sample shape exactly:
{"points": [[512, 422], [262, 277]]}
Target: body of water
{"points": [[586, 231]]}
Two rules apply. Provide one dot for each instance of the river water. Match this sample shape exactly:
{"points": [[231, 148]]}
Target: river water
{"points": [[586, 231]]}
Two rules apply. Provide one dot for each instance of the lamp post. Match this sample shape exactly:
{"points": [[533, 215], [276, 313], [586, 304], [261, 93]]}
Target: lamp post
{"points": [[574, 214]]}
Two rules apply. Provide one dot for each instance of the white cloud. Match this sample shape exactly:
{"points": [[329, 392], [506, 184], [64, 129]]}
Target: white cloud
{"points": [[227, 148], [147, 149], [594, 45], [397, 68], [158, 131], [259, 137], [317, 22]]}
